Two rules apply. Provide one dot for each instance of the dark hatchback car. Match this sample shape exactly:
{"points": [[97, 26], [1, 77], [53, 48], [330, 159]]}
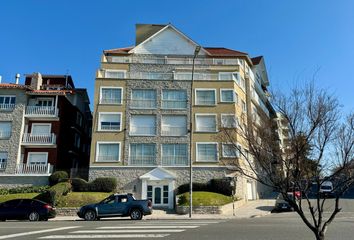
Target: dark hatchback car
{"points": [[26, 209], [281, 205]]}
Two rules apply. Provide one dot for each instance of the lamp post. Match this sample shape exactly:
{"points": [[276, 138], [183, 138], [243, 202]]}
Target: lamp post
{"points": [[196, 51]]}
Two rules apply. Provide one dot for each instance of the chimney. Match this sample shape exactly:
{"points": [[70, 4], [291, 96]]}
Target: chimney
{"points": [[17, 77], [36, 81]]}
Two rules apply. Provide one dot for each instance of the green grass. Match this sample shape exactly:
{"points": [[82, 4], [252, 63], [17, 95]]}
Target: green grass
{"points": [[206, 199], [73, 199], [7, 197]]}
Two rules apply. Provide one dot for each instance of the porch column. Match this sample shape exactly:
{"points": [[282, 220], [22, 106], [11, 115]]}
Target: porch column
{"points": [[143, 189]]}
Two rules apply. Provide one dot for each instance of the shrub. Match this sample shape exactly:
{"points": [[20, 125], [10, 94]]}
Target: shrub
{"points": [[221, 186], [182, 200], [105, 184], [30, 189], [54, 193], [80, 185], [196, 187], [56, 176]]}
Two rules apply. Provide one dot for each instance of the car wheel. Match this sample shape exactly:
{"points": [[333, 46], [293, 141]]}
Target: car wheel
{"points": [[90, 215], [33, 216], [136, 214]]}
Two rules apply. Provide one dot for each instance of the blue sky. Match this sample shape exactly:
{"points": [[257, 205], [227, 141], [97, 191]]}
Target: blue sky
{"points": [[297, 38]]}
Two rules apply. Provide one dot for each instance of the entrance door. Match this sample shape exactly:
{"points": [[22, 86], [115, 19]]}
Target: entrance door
{"points": [[249, 191], [157, 195]]}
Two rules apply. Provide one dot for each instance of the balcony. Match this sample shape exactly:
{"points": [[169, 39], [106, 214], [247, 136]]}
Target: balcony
{"points": [[175, 160], [35, 169], [176, 61], [41, 112], [3, 166], [173, 131], [143, 104], [45, 139], [142, 131], [7, 107], [5, 134]]}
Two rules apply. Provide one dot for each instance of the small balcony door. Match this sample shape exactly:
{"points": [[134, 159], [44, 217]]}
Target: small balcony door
{"points": [[46, 102], [40, 129]]}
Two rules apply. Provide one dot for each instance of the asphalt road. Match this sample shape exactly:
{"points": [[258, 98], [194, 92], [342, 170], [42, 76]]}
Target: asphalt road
{"points": [[273, 227]]}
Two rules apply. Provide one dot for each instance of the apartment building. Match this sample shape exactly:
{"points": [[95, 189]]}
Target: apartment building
{"points": [[150, 117], [45, 125]]}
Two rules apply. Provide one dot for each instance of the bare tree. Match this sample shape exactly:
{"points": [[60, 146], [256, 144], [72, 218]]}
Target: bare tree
{"points": [[318, 148]]}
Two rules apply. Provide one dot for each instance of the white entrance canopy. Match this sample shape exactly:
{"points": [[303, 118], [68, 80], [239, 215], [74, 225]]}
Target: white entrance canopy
{"points": [[158, 174]]}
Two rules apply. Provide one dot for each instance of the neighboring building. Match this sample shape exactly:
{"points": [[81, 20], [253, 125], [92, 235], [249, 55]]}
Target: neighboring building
{"points": [[45, 125], [141, 124]]}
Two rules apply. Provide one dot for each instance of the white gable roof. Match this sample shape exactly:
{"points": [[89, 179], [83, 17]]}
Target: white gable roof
{"points": [[158, 174], [167, 41]]}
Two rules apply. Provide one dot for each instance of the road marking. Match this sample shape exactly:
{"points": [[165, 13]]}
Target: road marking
{"points": [[149, 227], [129, 231], [36, 232], [106, 236]]}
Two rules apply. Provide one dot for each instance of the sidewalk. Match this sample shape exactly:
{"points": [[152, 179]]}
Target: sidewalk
{"points": [[250, 209]]}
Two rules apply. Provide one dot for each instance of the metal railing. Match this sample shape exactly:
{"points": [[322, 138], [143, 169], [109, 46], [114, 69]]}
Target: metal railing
{"points": [[110, 100], [41, 111], [115, 126], [28, 168], [143, 103], [3, 166], [29, 138], [174, 104], [175, 160], [205, 129], [107, 158], [143, 160], [5, 106], [142, 131], [204, 102], [176, 61], [5, 134], [173, 131]]}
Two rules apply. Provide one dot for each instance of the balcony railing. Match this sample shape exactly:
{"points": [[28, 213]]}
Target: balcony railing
{"points": [[144, 104], [205, 129], [174, 104], [5, 134], [175, 160], [110, 126], [107, 158], [173, 131], [2, 166], [110, 100], [34, 168], [143, 160], [41, 111], [47, 139], [204, 102], [142, 131], [7, 107], [176, 61]]}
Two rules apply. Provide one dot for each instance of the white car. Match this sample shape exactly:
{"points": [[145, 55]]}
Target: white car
{"points": [[326, 188]]}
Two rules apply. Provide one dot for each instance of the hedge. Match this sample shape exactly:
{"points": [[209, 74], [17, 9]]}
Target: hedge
{"points": [[57, 176], [103, 184], [32, 189], [221, 186], [52, 194]]}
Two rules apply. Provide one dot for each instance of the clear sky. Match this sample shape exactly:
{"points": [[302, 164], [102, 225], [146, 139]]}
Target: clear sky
{"points": [[297, 38]]}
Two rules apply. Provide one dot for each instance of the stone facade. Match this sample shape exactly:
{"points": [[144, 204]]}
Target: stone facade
{"points": [[16, 117]]}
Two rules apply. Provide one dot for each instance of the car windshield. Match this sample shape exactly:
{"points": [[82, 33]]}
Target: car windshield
{"points": [[326, 187]]}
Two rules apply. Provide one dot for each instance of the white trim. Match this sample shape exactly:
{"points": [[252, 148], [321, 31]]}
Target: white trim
{"points": [[111, 87], [203, 143], [31, 153], [206, 114], [163, 29], [204, 89], [227, 89], [110, 142], [109, 113], [42, 124], [115, 70]]}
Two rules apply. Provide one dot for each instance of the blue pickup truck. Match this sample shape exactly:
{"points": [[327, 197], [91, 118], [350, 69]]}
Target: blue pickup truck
{"points": [[116, 205]]}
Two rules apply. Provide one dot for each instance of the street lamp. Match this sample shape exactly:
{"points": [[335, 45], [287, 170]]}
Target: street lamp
{"points": [[196, 51]]}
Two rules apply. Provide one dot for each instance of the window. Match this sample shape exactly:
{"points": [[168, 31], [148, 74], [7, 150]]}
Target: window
{"points": [[115, 74], [165, 194], [205, 97], [229, 151], [78, 119], [173, 125], [174, 99], [228, 76], [111, 95], [145, 99], [207, 152], [149, 192], [77, 140], [174, 154], [205, 123], [142, 154], [243, 105], [5, 130], [110, 121], [143, 125], [228, 121], [45, 102], [3, 160], [108, 152], [7, 102], [243, 84], [38, 158], [41, 129], [227, 95]]}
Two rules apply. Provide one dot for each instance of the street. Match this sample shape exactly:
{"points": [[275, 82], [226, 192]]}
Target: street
{"points": [[272, 227]]}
